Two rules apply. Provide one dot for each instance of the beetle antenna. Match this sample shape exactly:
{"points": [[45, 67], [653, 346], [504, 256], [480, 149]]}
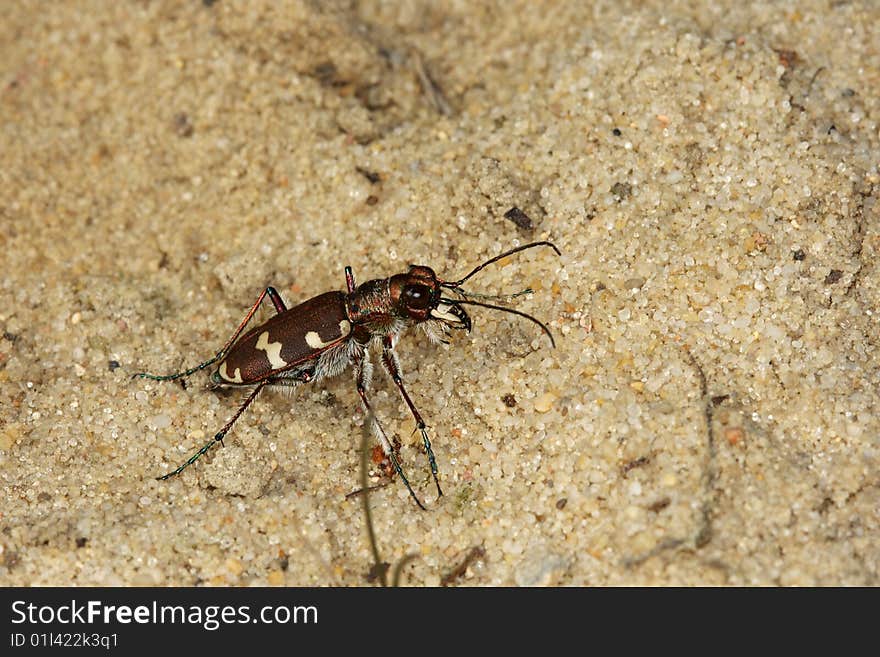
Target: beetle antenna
{"points": [[455, 284], [506, 310], [493, 297]]}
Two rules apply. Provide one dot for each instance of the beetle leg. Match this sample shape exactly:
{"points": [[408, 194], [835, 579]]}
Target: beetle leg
{"points": [[362, 374], [218, 437], [392, 366], [271, 292]]}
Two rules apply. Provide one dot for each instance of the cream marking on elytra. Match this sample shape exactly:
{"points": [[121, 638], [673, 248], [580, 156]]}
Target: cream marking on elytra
{"points": [[315, 342], [272, 349], [441, 312], [225, 374]]}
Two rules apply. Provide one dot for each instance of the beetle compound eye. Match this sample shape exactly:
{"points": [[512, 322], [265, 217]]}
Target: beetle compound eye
{"points": [[417, 297]]}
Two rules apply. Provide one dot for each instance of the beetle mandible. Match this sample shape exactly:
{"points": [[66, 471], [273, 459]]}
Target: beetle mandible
{"points": [[331, 332]]}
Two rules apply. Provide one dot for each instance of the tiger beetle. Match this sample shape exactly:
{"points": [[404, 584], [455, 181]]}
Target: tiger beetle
{"points": [[331, 332]]}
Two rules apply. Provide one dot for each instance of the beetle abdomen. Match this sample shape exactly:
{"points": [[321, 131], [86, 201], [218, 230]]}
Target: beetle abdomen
{"points": [[286, 340]]}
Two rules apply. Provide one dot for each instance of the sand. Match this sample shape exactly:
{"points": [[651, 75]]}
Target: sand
{"points": [[710, 414]]}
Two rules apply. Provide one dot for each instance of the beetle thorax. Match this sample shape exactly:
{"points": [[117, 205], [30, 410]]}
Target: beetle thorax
{"points": [[389, 305], [372, 312]]}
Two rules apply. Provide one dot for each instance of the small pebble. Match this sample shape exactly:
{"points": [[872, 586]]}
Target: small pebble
{"points": [[161, 421], [545, 402]]}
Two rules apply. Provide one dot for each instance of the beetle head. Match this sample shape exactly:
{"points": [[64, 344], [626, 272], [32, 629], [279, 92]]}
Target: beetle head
{"points": [[417, 295]]}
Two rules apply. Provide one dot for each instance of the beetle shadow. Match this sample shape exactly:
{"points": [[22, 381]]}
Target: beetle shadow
{"points": [[379, 569]]}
